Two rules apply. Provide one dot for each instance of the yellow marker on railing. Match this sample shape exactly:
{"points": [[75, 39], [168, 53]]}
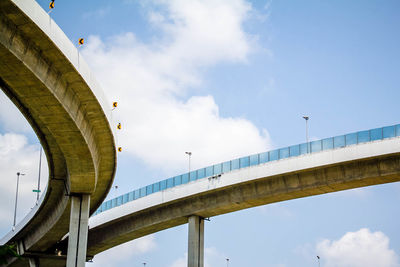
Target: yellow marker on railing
{"points": [[119, 126], [119, 149]]}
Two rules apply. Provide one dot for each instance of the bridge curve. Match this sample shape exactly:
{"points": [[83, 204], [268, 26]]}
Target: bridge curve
{"points": [[368, 158], [44, 75]]}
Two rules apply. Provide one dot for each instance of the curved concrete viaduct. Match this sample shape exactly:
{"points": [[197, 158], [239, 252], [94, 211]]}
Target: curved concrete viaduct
{"points": [[323, 172], [45, 77]]}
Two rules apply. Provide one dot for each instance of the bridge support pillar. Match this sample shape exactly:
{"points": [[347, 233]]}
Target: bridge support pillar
{"points": [[78, 230], [33, 262], [196, 242]]}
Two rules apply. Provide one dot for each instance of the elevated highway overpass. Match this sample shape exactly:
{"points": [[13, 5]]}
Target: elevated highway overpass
{"points": [[338, 163], [43, 74], [45, 77]]}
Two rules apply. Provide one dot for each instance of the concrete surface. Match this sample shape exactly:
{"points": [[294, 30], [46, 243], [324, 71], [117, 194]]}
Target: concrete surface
{"points": [[49, 82], [355, 166]]}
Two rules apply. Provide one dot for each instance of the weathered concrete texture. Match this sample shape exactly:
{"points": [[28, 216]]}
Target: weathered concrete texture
{"points": [[256, 192], [78, 230], [196, 241], [39, 73]]}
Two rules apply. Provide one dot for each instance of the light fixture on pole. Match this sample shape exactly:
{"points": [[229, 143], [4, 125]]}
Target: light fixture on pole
{"points": [[190, 155], [144, 264], [307, 118], [318, 260], [227, 262], [16, 200]]}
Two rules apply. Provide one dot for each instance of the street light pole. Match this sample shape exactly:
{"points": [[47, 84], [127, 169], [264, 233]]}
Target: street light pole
{"points": [[189, 154], [227, 262], [307, 118], [16, 200], [318, 261], [38, 186]]}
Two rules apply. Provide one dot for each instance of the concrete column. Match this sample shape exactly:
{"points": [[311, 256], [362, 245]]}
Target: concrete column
{"points": [[33, 262], [78, 230], [196, 242]]}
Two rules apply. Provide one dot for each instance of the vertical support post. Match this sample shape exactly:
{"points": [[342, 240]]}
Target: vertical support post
{"points": [[33, 262], [196, 242], [78, 230]]}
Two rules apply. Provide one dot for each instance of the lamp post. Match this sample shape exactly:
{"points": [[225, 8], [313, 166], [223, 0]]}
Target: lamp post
{"points": [[318, 260], [38, 186], [307, 118], [190, 155], [144, 264], [16, 200], [227, 262]]}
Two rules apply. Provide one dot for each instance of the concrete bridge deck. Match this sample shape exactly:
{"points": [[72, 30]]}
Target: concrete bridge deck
{"points": [[346, 167], [44, 75]]}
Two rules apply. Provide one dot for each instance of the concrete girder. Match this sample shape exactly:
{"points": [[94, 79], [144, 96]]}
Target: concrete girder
{"points": [[43, 75], [242, 195]]}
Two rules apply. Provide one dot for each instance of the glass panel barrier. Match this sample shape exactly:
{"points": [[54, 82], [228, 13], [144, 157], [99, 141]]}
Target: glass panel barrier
{"points": [[376, 134], [177, 180], [254, 160], [284, 153], [235, 164], [363, 137], [389, 132], [209, 171], [201, 173], [217, 169], [137, 193], [303, 148], [264, 157], [294, 150], [339, 141], [170, 182], [351, 139], [397, 129], [149, 189], [316, 146], [185, 178], [244, 162], [193, 176], [327, 143], [226, 166], [125, 198], [142, 192], [274, 155], [163, 185], [156, 187]]}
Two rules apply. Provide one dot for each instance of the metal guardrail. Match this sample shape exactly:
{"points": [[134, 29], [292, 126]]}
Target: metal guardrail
{"points": [[256, 159]]}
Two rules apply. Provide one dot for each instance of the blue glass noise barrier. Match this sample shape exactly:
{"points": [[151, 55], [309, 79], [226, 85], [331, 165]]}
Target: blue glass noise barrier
{"points": [[261, 158]]}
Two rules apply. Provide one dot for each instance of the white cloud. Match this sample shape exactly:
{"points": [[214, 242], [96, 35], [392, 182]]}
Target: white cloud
{"points": [[362, 248], [150, 82], [10, 117], [16, 155], [212, 258], [122, 254]]}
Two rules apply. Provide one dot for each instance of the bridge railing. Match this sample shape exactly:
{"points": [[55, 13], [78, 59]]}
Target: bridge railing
{"points": [[256, 159]]}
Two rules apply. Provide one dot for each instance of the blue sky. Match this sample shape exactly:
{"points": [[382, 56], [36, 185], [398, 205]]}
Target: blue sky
{"points": [[229, 78]]}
